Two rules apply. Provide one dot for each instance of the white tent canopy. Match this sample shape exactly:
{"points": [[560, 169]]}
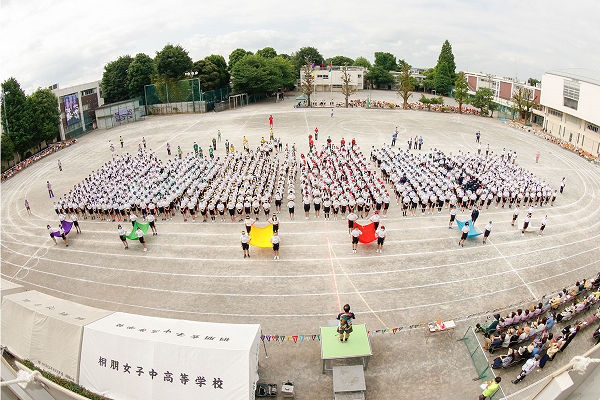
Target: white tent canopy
{"points": [[7, 287], [46, 330], [128, 356]]}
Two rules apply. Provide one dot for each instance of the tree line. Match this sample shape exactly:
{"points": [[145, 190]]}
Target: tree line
{"points": [[27, 121]]}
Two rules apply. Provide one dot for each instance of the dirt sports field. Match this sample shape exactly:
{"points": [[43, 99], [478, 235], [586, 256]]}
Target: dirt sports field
{"points": [[197, 271]]}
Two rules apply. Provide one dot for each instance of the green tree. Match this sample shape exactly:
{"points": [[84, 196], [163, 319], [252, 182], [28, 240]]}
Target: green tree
{"points": [[313, 55], [362, 62], [139, 74], [428, 83], [173, 62], [442, 79], [256, 75], [7, 147], [532, 81], [461, 91], [401, 63], [267, 52], [347, 88], [114, 80], [379, 76], [387, 61], [429, 101], [208, 73], [45, 116], [339, 60], [285, 56], [16, 116], [406, 83], [484, 101], [308, 79], [221, 64], [236, 56], [286, 72], [447, 57], [523, 101]]}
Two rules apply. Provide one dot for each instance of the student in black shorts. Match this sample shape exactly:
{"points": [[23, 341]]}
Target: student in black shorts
{"points": [[121, 232]]}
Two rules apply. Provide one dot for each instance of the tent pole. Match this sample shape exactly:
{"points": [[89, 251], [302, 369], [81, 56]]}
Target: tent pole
{"points": [[264, 345]]}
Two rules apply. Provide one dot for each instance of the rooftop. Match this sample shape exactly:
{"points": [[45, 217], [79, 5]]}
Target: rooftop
{"points": [[581, 74]]}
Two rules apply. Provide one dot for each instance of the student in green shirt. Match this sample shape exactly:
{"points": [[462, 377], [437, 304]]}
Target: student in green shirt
{"points": [[210, 151], [195, 147], [491, 388]]}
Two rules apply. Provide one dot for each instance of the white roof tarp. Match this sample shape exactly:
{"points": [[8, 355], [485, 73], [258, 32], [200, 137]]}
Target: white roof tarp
{"points": [[128, 356], [46, 330], [7, 287]]}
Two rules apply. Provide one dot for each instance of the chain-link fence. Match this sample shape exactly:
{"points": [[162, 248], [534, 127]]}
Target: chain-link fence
{"points": [[214, 97], [185, 96]]}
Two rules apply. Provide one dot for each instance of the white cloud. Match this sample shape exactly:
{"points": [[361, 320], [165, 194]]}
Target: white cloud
{"points": [[44, 42]]}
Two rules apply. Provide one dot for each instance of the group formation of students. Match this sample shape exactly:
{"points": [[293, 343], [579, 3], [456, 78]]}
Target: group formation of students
{"points": [[536, 324], [339, 179], [434, 180], [139, 184]]}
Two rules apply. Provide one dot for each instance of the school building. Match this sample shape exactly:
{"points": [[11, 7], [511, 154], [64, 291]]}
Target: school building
{"points": [[503, 89], [77, 105], [571, 101], [331, 81]]}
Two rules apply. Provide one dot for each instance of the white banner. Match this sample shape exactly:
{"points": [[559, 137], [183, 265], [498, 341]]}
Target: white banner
{"points": [[131, 357]]}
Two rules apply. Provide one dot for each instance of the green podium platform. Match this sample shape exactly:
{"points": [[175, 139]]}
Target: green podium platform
{"points": [[357, 346]]}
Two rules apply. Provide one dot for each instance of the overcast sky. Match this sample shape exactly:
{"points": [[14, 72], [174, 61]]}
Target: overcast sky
{"points": [[69, 42]]}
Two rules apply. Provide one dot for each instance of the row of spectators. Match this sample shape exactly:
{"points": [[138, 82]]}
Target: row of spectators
{"points": [[562, 143], [530, 324], [36, 157]]}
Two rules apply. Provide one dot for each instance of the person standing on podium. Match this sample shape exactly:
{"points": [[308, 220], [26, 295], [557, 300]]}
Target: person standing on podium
{"points": [[345, 326]]}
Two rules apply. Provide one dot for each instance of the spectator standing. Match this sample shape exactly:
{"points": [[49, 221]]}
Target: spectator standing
{"points": [[562, 185], [537, 157], [527, 368], [144, 141], [59, 165], [394, 137], [271, 121], [316, 133], [477, 137], [345, 325], [245, 240], [50, 192], [168, 149], [218, 135], [179, 152], [121, 141], [27, 207]]}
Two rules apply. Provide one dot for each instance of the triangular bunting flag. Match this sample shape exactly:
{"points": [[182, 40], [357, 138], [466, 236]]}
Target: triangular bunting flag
{"points": [[295, 338], [301, 338]]}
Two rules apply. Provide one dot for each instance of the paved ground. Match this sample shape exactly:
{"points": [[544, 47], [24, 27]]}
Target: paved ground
{"points": [[196, 271]]}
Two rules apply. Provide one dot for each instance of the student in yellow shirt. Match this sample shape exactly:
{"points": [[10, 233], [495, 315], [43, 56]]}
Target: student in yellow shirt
{"points": [[491, 388]]}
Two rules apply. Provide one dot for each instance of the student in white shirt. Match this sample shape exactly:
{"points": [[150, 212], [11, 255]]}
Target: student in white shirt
{"points": [[245, 240], [464, 233], [381, 233], [486, 233], [355, 233], [275, 240], [122, 236], [544, 222]]}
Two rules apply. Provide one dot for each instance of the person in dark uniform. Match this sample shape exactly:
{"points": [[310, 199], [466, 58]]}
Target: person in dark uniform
{"points": [[474, 215]]}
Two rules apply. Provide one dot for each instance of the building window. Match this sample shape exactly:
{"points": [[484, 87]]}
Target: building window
{"points": [[88, 92], [85, 107], [574, 120], [359, 76], [571, 90], [592, 127], [570, 103], [558, 114]]}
